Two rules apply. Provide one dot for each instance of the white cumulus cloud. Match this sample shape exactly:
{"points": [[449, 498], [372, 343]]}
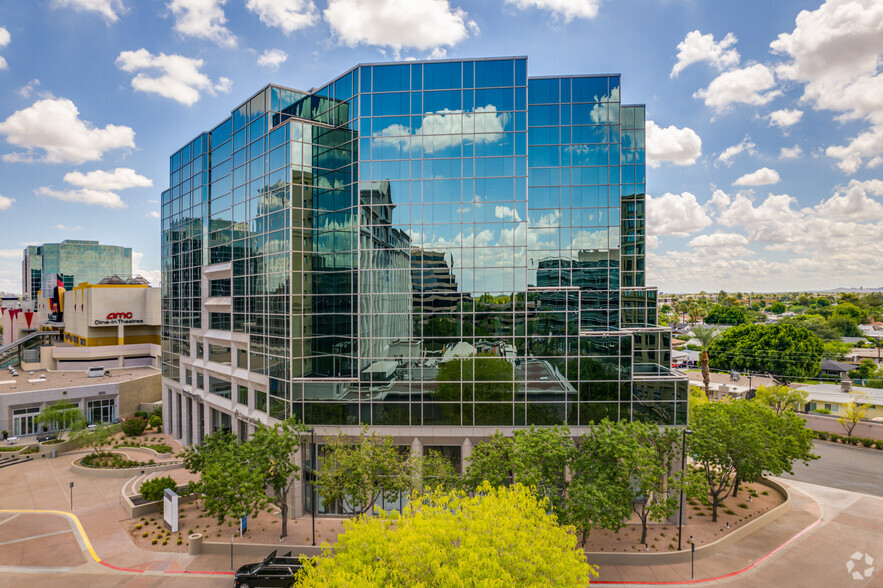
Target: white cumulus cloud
{"points": [[5, 202], [399, 24], [754, 84], [5, 38], [719, 240], [835, 51], [566, 9], [117, 179], [785, 117], [697, 47], [272, 58], [790, 152], [679, 146], [675, 214], [107, 8], [745, 145], [65, 228], [54, 126], [204, 19], [288, 15], [762, 177], [171, 76], [84, 196], [152, 214], [97, 187]]}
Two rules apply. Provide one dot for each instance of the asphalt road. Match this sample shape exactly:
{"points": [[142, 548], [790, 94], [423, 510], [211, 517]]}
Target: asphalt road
{"points": [[847, 468]]}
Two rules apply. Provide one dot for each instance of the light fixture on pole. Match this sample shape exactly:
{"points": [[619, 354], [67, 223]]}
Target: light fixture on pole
{"points": [[683, 474]]}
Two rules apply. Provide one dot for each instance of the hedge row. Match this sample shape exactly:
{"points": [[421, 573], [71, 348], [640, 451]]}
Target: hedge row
{"points": [[863, 441]]}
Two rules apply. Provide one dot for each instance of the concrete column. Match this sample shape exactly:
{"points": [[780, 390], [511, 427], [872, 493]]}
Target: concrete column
{"points": [[121, 337], [416, 447], [194, 424], [186, 421], [167, 410], [172, 410], [466, 453]]}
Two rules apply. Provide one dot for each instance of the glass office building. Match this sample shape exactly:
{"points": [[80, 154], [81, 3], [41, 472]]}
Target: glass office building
{"points": [[438, 249], [77, 261]]}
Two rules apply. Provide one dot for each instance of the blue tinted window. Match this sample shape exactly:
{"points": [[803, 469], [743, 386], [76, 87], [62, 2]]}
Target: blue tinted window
{"points": [[542, 91], [365, 73], [543, 116], [391, 78], [343, 88], [438, 101], [491, 74], [502, 98], [589, 89], [520, 72], [393, 103], [441, 76]]}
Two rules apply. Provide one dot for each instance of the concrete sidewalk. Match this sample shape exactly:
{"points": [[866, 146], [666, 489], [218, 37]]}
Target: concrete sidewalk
{"points": [[850, 523]]}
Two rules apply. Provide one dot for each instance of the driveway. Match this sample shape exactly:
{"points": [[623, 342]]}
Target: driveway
{"points": [[844, 467]]}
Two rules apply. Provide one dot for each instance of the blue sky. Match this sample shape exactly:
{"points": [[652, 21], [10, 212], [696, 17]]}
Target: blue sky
{"points": [[766, 141]]}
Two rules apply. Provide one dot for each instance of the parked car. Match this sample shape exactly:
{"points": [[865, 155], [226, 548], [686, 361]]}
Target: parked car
{"points": [[49, 437], [273, 571]]}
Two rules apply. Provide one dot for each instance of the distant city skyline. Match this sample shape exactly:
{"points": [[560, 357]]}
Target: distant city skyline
{"points": [[765, 121]]}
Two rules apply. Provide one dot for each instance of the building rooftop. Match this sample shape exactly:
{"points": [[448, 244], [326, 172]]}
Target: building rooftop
{"points": [[833, 393], [47, 379]]}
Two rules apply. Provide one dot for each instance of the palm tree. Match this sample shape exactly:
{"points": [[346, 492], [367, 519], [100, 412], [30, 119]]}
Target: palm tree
{"points": [[705, 335]]}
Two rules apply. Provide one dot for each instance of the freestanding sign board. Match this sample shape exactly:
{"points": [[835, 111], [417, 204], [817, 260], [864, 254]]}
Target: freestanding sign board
{"points": [[170, 509], [243, 525]]}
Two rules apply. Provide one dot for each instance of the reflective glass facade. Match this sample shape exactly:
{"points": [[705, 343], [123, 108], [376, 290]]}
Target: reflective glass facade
{"points": [[79, 261], [445, 243]]}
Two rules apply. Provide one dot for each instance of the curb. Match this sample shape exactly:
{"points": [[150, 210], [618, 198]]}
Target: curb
{"points": [[717, 578], [849, 445], [83, 539]]}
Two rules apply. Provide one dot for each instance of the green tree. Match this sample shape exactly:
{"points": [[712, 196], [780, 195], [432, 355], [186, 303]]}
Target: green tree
{"points": [[835, 350], [232, 484], [697, 397], [272, 451], [536, 457], [97, 438], [782, 349], [777, 308], [599, 495], [723, 315], [60, 416], [780, 398], [498, 537], [655, 487], [864, 371], [853, 412], [154, 488], [357, 470], [490, 461], [706, 336]]}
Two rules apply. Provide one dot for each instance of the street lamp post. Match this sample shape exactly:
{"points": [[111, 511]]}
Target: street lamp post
{"points": [[72, 497], [683, 475], [313, 480]]}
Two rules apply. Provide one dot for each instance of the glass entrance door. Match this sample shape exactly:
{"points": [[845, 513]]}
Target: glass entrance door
{"points": [[23, 421]]}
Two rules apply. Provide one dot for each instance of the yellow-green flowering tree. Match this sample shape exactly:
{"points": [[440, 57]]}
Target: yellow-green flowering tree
{"points": [[498, 537]]}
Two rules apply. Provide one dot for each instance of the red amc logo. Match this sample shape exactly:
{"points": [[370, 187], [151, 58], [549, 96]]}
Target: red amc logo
{"points": [[119, 315]]}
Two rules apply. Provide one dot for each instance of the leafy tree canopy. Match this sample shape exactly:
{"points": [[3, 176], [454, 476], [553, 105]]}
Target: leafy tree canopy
{"points": [[780, 398], [780, 349], [499, 537], [62, 415], [725, 315]]}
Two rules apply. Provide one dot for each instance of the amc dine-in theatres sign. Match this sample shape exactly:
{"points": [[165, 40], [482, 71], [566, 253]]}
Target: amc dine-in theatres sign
{"points": [[118, 318]]}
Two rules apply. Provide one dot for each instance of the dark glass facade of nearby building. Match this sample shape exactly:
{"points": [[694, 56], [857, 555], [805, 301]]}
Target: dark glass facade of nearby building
{"points": [[446, 243], [78, 261]]}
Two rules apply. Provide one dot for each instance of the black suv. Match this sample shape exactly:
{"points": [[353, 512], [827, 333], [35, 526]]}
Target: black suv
{"points": [[273, 571]]}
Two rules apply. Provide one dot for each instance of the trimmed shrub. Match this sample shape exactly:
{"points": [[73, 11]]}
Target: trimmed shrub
{"points": [[153, 489], [134, 426], [155, 422], [141, 414]]}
